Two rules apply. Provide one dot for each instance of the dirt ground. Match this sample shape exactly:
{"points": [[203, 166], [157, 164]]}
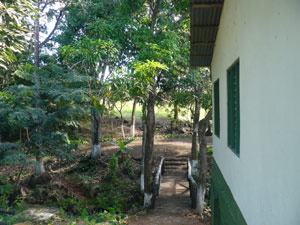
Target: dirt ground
{"points": [[169, 147]]}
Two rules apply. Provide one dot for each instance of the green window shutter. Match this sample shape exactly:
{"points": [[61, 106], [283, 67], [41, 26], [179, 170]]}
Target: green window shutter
{"points": [[217, 108], [233, 107]]}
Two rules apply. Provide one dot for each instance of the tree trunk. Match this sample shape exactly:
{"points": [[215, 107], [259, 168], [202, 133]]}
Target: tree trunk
{"points": [[201, 181], [201, 184], [132, 125], [143, 148], [96, 123], [143, 158], [208, 132], [175, 113], [150, 124], [196, 117], [201, 189], [37, 37], [203, 124], [175, 116], [39, 168], [112, 128], [149, 144], [122, 125]]}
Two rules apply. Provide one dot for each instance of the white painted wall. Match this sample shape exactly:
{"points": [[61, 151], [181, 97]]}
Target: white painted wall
{"points": [[265, 180]]}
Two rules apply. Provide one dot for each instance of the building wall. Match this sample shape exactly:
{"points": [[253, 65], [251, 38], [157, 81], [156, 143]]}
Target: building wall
{"points": [[265, 179]]}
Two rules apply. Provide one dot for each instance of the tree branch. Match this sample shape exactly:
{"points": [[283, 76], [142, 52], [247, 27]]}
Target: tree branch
{"points": [[53, 30], [44, 7], [154, 15], [46, 3]]}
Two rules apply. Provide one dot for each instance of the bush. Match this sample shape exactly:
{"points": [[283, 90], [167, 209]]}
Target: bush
{"points": [[72, 205], [6, 190], [117, 190]]}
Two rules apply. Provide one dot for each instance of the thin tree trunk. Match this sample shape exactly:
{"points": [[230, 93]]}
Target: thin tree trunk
{"points": [[175, 116], [195, 145], [201, 184], [143, 149], [112, 128], [39, 168], [150, 124], [37, 37], [143, 159], [96, 123], [122, 125], [175, 113], [208, 132], [149, 149], [132, 125], [203, 124]]}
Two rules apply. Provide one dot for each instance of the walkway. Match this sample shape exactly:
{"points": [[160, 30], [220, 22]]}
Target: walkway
{"points": [[173, 205]]}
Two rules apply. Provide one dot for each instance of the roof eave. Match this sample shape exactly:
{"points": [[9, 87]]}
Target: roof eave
{"points": [[205, 18]]}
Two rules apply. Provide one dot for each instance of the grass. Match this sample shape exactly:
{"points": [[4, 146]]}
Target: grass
{"points": [[161, 112]]}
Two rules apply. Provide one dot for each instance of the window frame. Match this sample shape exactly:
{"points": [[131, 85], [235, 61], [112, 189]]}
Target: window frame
{"points": [[233, 107], [217, 124]]}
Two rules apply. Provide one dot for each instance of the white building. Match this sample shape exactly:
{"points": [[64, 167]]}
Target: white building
{"points": [[253, 49]]}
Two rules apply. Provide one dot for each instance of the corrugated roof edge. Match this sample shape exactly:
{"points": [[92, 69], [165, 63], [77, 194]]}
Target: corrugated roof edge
{"points": [[205, 19]]}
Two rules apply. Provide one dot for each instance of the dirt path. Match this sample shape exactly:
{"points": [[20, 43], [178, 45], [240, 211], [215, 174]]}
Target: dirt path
{"points": [[173, 206], [171, 147]]}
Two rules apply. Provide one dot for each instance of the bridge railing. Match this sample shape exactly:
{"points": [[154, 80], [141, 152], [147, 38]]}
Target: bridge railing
{"points": [[157, 179]]}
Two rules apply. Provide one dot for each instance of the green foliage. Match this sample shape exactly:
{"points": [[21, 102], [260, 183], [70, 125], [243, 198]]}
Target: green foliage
{"points": [[112, 216], [109, 216], [113, 191], [210, 150], [11, 219], [87, 52], [6, 190], [13, 29], [72, 205], [41, 108], [30, 124], [123, 149]]}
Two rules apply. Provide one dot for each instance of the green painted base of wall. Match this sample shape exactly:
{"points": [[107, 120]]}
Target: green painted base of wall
{"points": [[225, 209]]}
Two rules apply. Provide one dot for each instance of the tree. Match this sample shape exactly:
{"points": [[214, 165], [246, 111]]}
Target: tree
{"points": [[93, 40], [37, 46], [41, 130], [41, 7], [132, 123], [139, 88], [200, 91], [199, 147], [86, 55], [150, 69], [202, 167], [155, 22], [14, 29], [119, 87]]}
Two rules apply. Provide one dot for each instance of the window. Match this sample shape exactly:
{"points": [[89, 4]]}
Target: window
{"points": [[216, 109], [233, 107]]}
